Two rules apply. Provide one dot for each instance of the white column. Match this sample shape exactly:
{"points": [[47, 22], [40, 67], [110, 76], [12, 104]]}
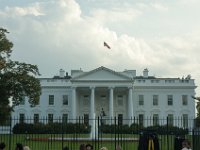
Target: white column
{"points": [[111, 104], [92, 103], [74, 104], [130, 104]]}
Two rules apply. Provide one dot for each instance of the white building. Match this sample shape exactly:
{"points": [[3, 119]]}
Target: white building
{"points": [[120, 94]]}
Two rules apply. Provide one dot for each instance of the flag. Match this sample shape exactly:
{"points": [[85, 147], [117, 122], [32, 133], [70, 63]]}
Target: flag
{"points": [[106, 45]]}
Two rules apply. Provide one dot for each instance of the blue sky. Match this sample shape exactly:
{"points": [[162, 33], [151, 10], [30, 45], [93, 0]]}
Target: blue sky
{"points": [[161, 35]]}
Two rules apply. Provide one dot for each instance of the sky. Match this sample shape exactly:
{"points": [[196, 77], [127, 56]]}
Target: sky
{"points": [[161, 35]]}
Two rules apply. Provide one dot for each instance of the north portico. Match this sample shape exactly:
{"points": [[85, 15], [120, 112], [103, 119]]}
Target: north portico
{"points": [[121, 95], [104, 89]]}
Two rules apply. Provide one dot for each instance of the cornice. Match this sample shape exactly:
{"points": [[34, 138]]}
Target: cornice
{"points": [[55, 87], [106, 81], [164, 87]]}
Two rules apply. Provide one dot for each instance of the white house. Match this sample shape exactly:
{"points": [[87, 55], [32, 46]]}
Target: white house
{"points": [[123, 95]]}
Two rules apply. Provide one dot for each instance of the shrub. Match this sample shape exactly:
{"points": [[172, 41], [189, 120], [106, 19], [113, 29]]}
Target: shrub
{"points": [[50, 128], [114, 129], [135, 128], [167, 130], [197, 122]]}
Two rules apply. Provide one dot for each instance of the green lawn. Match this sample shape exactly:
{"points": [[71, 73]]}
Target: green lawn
{"points": [[166, 142]]}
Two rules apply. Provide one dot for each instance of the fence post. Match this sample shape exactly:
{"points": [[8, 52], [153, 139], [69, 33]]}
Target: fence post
{"points": [[62, 130], [10, 134], [115, 131], [193, 140], [167, 132], [196, 138]]}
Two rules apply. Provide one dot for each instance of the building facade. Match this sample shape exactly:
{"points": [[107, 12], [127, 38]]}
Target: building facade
{"points": [[103, 92]]}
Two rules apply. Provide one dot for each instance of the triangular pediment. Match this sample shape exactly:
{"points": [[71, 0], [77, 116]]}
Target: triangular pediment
{"points": [[103, 74]]}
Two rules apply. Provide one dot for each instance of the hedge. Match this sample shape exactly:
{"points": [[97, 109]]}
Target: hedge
{"points": [[59, 128], [69, 128]]}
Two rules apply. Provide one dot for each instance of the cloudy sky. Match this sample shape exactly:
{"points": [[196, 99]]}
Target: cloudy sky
{"points": [[161, 35]]}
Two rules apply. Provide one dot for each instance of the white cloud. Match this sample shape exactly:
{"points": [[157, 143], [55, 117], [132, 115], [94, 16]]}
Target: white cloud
{"points": [[115, 15], [158, 6], [186, 2], [60, 36], [23, 11]]}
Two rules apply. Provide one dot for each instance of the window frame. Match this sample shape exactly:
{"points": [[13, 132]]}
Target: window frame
{"points": [[86, 119], [170, 119], [155, 100], [155, 119], [86, 100], [21, 118], [51, 100], [65, 100], [50, 118], [141, 120], [141, 100], [184, 100], [170, 100], [120, 100], [185, 120], [65, 117], [120, 119], [36, 118]]}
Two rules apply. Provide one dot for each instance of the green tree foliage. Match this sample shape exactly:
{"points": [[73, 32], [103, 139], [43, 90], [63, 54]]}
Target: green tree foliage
{"points": [[16, 79]]}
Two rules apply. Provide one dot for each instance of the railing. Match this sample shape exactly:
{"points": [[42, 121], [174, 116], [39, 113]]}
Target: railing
{"points": [[54, 134]]}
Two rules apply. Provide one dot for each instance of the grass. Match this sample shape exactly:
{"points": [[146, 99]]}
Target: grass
{"points": [[166, 142]]}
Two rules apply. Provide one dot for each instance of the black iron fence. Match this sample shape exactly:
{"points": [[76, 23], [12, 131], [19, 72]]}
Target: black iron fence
{"points": [[54, 134]]}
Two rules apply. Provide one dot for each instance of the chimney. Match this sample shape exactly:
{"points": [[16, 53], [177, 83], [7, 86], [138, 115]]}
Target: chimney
{"points": [[145, 73], [62, 73]]}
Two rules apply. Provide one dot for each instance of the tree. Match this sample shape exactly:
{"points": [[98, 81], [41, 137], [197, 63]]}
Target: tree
{"points": [[16, 79]]}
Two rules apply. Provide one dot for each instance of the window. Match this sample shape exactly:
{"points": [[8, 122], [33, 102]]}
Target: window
{"points": [[120, 119], [103, 100], [155, 100], [185, 120], [120, 100], [50, 118], [157, 81], [184, 100], [141, 100], [155, 119], [103, 97], [141, 120], [22, 100], [36, 118], [21, 118], [169, 81], [85, 100], [170, 100], [170, 119], [65, 99], [64, 118], [154, 81], [51, 99], [86, 119]]}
